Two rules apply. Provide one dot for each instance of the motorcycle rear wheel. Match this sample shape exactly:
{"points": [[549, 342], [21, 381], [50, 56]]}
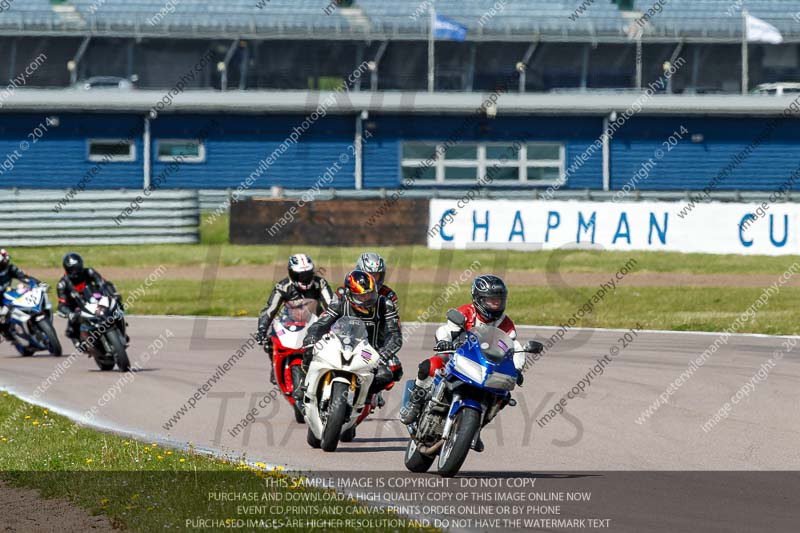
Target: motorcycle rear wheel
{"points": [[312, 441], [415, 461], [52, 339], [105, 366], [348, 434]]}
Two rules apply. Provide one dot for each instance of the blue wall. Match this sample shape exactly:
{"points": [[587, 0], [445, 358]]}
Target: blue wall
{"points": [[59, 158], [236, 144], [692, 165]]}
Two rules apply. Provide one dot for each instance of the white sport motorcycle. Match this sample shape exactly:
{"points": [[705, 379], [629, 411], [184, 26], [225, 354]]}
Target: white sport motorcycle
{"points": [[289, 331], [102, 332], [337, 383]]}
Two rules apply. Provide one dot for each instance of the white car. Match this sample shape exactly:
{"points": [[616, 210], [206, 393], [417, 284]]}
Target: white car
{"points": [[107, 82], [777, 89]]}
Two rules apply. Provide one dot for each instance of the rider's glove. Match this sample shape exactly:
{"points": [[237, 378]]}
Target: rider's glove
{"points": [[443, 347], [261, 336]]}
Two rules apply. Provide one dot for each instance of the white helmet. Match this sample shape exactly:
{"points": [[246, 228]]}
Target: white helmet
{"points": [[301, 271]]}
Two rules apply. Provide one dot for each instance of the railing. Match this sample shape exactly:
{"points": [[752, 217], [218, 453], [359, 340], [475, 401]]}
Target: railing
{"points": [[45, 217]]}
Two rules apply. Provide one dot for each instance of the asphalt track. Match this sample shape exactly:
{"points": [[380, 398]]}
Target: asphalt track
{"points": [[596, 443]]}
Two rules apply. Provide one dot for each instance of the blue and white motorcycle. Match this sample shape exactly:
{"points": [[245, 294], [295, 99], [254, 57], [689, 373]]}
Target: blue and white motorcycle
{"points": [[472, 388], [30, 324]]}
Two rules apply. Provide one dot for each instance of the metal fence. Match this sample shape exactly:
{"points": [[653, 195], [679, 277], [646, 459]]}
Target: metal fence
{"points": [[220, 199], [46, 217]]}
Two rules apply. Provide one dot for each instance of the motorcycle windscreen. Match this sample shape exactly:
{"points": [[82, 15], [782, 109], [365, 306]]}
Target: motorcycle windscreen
{"points": [[298, 313], [494, 342], [350, 330]]}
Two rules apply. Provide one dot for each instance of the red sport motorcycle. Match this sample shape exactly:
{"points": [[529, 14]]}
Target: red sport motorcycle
{"points": [[288, 332]]}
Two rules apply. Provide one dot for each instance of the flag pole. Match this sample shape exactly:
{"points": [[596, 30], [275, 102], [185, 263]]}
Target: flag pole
{"points": [[745, 66], [431, 64]]}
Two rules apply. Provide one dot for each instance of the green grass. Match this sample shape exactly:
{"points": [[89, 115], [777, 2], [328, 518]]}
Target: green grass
{"points": [[215, 232], [138, 485], [680, 308], [672, 308], [214, 240], [405, 257]]}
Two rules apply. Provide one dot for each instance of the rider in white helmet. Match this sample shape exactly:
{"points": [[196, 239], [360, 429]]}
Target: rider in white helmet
{"points": [[302, 283]]}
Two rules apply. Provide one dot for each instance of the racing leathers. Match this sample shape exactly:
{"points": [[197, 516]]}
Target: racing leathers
{"points": [[287, 291], [383, 330], [7, 275], [73, 293], [449, 332], [445, 336]]}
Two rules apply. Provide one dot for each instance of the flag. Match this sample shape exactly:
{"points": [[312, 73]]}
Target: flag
{"points": [[759, 31], [448, 29]]}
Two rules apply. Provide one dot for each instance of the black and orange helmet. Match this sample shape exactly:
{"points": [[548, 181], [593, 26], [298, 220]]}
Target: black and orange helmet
{"points": [[360, 290]]}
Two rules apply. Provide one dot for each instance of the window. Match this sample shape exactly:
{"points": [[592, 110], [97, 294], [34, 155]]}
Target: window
{"points": [[112, 150], [501, 163], [192, 150]]}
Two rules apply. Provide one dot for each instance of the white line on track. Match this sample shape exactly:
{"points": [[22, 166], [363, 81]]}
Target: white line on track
{"points": [[519, 326]]}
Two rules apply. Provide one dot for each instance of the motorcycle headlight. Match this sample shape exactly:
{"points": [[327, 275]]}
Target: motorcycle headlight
{"points": [[469, 368]]}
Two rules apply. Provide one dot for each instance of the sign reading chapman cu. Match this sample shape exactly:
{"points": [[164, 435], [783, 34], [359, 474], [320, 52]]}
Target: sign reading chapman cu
{"points": [[723, 228]]}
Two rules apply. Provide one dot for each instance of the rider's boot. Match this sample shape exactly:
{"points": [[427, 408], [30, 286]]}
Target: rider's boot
{"points": [[299, 392], [4, 319], [410, 412]]}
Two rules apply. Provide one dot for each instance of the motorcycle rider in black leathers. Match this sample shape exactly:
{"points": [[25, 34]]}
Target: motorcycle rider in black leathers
{"points": [[379, 314], [9, 272], [72, 292], [302, 283]]}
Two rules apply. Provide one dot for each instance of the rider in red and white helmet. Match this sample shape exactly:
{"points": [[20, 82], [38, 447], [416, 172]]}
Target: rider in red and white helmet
{"points": [[9, 272]]}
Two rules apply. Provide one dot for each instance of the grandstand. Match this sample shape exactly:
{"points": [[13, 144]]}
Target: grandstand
{"points": [[508, 19], [308, 44], [259, 67]]}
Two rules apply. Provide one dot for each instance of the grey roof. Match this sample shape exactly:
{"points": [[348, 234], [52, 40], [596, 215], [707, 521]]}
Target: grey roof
{"points": [[588, 103]]}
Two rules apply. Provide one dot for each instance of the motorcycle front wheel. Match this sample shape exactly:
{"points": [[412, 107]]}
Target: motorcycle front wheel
{"points": [[114, 338], [336, 415], [297, 381], [455, 449]]}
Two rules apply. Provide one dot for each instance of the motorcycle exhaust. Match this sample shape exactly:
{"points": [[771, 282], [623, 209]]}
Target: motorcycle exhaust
{"points": [[433, 448]]}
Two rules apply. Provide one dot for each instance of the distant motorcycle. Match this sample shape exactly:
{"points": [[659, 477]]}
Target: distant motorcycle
{"points": [[287, 347], [31, 320], [102, 324], [466, 395], [337, 383]]}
